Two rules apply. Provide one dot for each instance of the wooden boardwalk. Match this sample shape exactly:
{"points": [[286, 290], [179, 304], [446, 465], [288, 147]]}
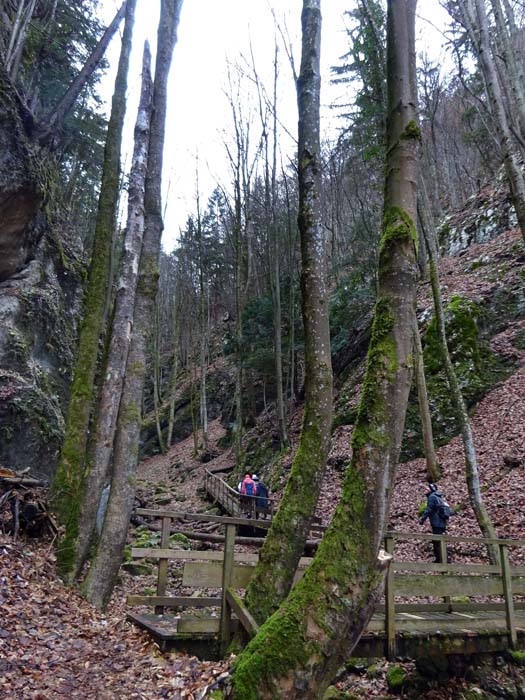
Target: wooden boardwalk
{"points": [[229, 499], [428, 608]]}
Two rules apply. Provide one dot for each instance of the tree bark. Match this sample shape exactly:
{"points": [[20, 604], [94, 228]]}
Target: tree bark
{"points": [[285, 542], [68, 483], [471, 463], [105, 566], [299, 649]]}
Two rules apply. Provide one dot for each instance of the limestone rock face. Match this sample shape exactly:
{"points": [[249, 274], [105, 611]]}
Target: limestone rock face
{"points": [[40, 307], [41, 274], [486, 215]]}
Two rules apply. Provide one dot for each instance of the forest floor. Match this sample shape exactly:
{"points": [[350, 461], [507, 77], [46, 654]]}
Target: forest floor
{"points": [[55, 645]]}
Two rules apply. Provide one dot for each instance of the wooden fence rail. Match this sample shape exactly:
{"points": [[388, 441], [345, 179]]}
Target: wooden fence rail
{"points": [[463, 588]]}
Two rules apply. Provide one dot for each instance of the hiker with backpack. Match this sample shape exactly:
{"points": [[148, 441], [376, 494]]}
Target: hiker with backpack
{"points": [[438, 512], [262, 497], [248, 491]]}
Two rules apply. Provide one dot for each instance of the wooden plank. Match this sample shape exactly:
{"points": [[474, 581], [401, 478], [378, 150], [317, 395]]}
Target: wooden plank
{"points": [[454, 538], [209, 575], [390, 605], [237, 605], [203, 518], [446, 623], [173, 602], [431, 567], [226, 582], [442, 607], [188, 554], [509, 600], [162, 577], [445, 585], [198, 625]]}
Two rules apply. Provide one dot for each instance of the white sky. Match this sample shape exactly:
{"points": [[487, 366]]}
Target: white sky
{"points": [[211, 33]]}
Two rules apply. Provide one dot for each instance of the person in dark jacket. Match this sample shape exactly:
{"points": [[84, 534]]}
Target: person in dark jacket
{"points": [[262, 496], [433, 512]]}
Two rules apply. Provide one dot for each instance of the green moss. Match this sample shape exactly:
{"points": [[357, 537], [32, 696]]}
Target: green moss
{"points": [[412, 130], [216, 695], [517, 656], [373, 671], [396, 678], [398, 226], [381, 363], [477, 367]]}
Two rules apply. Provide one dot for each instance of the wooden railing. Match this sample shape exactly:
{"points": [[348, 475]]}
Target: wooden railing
{"points": [[228, 571]]}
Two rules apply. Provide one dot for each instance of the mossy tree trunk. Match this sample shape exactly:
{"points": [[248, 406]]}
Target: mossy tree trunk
{"points": [[471, 463], [106, 563], [299, 649], [433, 470], [68, 483], [99, 457], [284, 544]]}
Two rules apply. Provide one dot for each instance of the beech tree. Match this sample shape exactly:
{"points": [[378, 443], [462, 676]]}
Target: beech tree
{"points": [[99, 458], [298, 650], [103, 572], [284, 543], [68, 483]]}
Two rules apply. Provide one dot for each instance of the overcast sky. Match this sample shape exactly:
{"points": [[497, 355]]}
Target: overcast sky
{"points": [[213, 33]]}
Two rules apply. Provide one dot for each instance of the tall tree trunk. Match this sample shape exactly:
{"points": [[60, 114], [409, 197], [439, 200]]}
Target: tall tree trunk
{"points": [[471, 463], [105, 566], [433, 470], [299, 649], [204, 326], [475, 14], [276, 286], [67, 486], [174, 367], [53, 122], [101, 449], [157, 380], [513, 66], [14, 56], [284, 544]]}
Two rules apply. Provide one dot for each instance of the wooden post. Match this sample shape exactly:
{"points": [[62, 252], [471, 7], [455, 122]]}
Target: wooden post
{"points": [[227, 574], [162, 577], [390, 605], [444, 560], [507, 592]]}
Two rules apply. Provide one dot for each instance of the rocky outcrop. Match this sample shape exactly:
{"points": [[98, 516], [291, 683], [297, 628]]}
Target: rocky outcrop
{"points": [[39, 314], [485, 215]]}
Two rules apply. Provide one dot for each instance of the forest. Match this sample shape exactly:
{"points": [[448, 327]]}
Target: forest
{"points": [[279, 453]]}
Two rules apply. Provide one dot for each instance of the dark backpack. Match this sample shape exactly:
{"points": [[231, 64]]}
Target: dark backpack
{"points": [[443, 508]]}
